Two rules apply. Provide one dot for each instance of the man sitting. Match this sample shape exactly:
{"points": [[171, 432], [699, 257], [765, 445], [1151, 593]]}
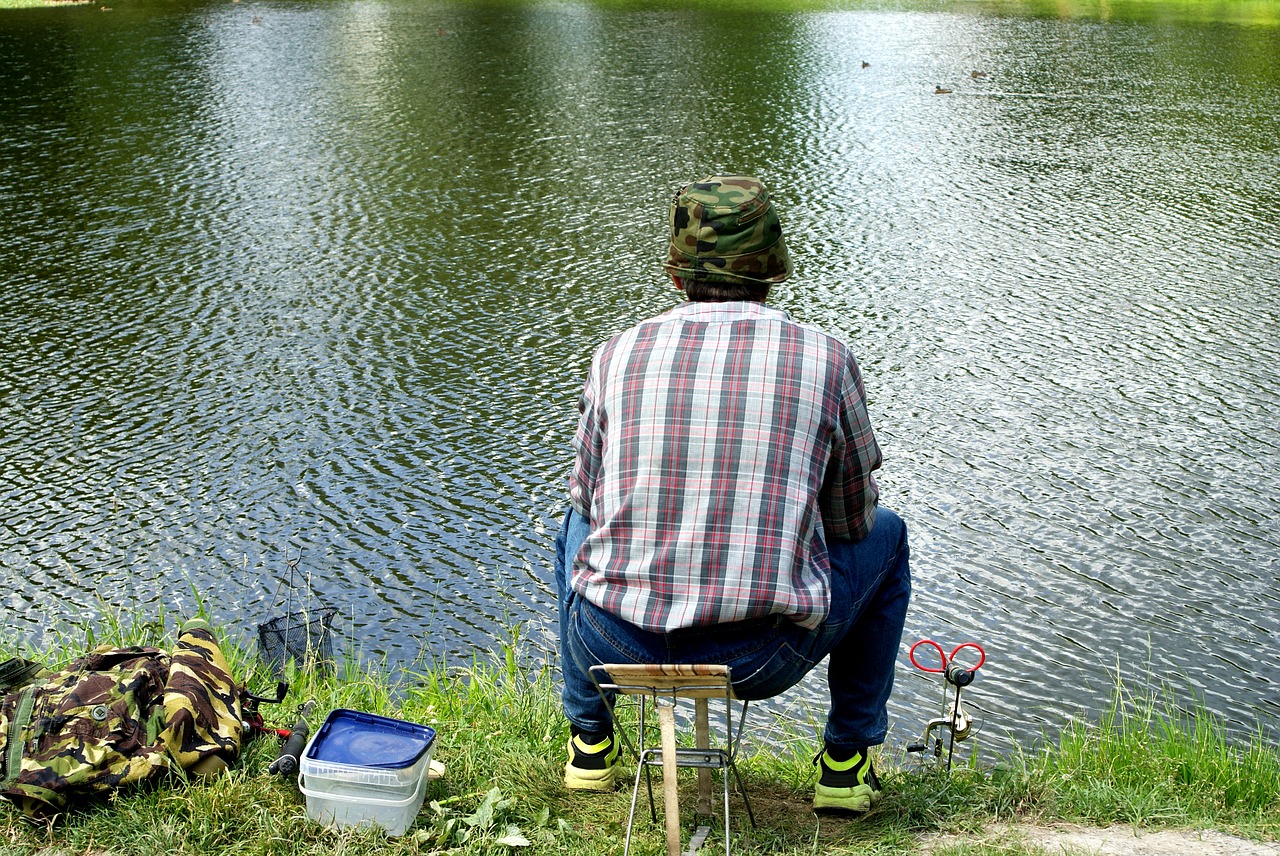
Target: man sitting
{"points": [[723, 507]]}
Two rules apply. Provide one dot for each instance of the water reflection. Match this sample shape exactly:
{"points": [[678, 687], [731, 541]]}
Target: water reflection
{"points": [[323, 282]]}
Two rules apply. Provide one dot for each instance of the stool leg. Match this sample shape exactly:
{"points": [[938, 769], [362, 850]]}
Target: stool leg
{"points": [[670, 791], [724, 777], [702, 731], [635, 795]]}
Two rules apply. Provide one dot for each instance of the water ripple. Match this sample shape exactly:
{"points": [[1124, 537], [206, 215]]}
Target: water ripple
{"points": [[323, 289]]}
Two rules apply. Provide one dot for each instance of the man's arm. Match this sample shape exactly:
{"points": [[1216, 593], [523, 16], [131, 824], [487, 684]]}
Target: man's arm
{"points": [[851, 492], [587, 448]]}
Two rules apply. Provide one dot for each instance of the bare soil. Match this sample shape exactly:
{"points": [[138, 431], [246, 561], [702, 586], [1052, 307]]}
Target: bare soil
{"points": [[1071, 840]]}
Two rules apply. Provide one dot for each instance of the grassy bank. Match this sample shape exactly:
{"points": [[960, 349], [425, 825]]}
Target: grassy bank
{"points": [[42, 4], [502, 738], [1248, 12]]}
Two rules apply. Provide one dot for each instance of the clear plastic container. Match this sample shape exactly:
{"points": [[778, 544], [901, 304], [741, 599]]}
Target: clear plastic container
{"points": [[340, 805], [364, 768]]}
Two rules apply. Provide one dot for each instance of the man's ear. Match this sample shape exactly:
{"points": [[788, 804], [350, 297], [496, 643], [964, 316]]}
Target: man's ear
{"points": [[676, 281]]}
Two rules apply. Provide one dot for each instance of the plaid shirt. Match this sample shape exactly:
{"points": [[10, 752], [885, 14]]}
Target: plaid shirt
{"points": [[720, 446]]}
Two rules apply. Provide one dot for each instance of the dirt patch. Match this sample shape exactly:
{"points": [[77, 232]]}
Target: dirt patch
{"points": [[1071, 840]]}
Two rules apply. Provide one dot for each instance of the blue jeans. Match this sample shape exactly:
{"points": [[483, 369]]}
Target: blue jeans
{"points": [[870, 588]]}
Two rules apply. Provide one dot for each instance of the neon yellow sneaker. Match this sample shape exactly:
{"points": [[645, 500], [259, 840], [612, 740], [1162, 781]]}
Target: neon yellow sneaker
{"points": [[591, 766], [846, 786]]}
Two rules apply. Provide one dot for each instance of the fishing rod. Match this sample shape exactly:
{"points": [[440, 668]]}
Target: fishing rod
{"points": [[286, 764], [252, 722], [955, 677], [293, 740]]}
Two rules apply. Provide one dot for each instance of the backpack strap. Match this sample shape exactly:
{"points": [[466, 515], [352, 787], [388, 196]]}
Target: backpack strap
{"points": [[16, 672], [14, 737]]}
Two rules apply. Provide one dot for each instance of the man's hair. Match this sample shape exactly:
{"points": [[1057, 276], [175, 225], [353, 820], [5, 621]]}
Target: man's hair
{"points": [[714, 290]]}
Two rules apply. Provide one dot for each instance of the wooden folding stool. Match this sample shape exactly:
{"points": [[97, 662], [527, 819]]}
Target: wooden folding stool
{"points": [[665, 685]]}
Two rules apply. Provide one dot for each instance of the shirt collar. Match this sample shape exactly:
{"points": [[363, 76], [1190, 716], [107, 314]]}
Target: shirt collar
{"points": [[727, 310]]}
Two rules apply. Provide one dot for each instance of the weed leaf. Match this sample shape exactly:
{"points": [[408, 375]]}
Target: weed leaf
{"points": [[514, 838]]}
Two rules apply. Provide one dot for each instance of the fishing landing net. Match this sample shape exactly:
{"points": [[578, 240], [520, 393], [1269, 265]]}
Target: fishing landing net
{"points": [[303, 634]]}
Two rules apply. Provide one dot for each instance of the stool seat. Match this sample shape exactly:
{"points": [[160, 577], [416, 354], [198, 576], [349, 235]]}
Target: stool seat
{"points": [[662, 686]]}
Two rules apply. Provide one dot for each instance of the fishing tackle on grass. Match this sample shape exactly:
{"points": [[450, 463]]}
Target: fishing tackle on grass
{"points": [[286, 763]]}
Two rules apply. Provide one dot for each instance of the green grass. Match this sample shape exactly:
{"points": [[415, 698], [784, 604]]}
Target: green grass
{"points": [[41, 4], [1146, 761], [1149, 760], [1246, 12]]}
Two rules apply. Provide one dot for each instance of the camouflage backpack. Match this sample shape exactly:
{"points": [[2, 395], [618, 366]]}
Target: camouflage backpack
{"points": [[117, 717]]}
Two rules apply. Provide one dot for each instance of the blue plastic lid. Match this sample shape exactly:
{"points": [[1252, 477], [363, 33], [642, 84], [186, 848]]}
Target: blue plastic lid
{"points": [[368, 740]]}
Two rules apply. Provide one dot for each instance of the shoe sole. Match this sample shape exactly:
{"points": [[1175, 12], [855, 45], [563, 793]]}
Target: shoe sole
{"points": [[576, 779], [858, 800]]}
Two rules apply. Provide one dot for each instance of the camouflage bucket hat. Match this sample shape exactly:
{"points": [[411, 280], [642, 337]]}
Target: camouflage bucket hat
{"points": [[724, 228]]}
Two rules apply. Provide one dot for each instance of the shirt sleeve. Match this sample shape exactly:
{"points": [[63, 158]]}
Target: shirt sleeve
{"points": [[587, 446], [850, 492]]}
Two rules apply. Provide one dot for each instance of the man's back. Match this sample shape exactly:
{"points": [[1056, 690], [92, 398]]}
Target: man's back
{"points": [[720, 445]]}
